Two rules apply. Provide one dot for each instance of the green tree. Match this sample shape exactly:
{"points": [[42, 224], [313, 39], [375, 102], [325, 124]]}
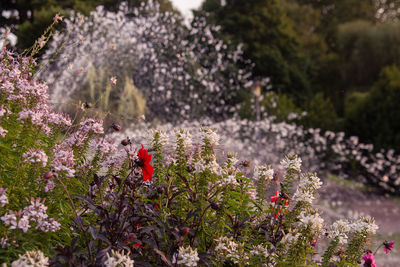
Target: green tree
{"points": [[268, 40], [374, 116], [320, 113], [29, 18]]}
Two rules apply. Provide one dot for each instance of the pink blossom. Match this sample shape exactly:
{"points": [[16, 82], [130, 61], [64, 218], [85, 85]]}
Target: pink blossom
{"points": [[36, 155], [388, 246], [3, 197], [63, 160], [3, 132], [95, 125], [2, 110], [104, 145], [57, 18], [369, 260]]}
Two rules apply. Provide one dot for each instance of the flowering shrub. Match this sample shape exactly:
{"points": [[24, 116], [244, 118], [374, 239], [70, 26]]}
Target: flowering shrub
{"points": [[268, 141], [182, 72]]}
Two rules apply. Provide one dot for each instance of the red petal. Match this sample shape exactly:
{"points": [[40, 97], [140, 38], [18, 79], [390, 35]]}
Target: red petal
{"points": [[143, 155], [147, 171]]}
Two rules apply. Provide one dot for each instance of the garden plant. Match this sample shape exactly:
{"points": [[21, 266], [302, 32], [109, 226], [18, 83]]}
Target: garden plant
{"points": [[73, 196]]}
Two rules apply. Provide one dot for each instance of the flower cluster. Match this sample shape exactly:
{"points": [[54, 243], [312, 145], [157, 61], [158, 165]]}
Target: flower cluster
{"points": [[3, 197], [186, 256], [308, 185], [36, 155], [118, 259], [340, 229], [31, 259], [329, 151], [34, 213]]}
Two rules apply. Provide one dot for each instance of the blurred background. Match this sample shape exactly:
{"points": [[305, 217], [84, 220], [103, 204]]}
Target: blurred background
{"points": [[337, 60]]}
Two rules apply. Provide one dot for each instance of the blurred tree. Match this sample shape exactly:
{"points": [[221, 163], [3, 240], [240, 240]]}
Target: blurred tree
{"points": [[268, 40], [374, 116], [336, 12], [320, 113], [29, 18]]}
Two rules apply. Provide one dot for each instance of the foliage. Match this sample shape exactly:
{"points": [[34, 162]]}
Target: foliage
{"points": [[374, 117], [365, 50], [268, 40], [198, 208], [30, 18], [320, 113], [279, 106]]}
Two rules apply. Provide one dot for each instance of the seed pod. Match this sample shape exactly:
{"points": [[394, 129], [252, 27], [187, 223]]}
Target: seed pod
{"points": [[116, 127], [125, 142], [184, 231], [245, 163], [48, 175]]}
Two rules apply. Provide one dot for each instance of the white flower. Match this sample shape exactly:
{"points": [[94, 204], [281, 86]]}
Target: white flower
{"points": [[314, 221], [305, 196], [118, 259], [208, 134], [186, 256], [365, 224], [340, 229], [291, 163], [229, 249], [290, 238], [263, 173], [36, 155], [31, 259], [152, 133], [185, 136]]}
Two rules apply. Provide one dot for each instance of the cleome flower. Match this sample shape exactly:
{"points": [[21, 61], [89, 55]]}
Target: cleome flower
{"points": [[118, 259], [340, 229], [186, 256], [264, 173], [36, 155], [291, 163], [31, 259]]}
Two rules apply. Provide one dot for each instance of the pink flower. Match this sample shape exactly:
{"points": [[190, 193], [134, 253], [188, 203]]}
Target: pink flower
{"points": [[57, 18], [369, 260], [388, 246], [36, 155]]}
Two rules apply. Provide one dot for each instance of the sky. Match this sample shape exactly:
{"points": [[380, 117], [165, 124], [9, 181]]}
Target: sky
{"points": [[186, 5]]}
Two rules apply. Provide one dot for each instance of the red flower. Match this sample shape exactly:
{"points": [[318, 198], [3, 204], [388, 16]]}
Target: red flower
{"points": [[144, 164], [276, 199]]}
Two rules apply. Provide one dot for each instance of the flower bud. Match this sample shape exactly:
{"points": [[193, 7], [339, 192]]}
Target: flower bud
{"points": [[116, 127], [184, 231], [48, 175], [87, 105], [125, 142]]}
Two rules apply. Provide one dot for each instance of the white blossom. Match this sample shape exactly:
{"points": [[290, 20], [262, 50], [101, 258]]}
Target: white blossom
{"points": [[118, 259], [31, 259], [186, 256]]}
